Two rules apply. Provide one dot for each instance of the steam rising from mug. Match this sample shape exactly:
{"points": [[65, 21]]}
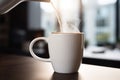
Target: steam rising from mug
{"points": [[68, 15]]}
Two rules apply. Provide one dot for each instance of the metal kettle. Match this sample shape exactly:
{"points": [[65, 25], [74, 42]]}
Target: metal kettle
{"points": [[7, 5]]}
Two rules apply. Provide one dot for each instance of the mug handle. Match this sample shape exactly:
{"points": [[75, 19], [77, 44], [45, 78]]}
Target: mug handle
{"points": [[31, 50]]}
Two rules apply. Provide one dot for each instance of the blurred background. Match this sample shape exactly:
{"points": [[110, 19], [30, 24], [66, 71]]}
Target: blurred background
{"points": [[99, 20]]}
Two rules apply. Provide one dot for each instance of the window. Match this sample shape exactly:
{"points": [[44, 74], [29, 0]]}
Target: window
{"points": [[100, 30]]}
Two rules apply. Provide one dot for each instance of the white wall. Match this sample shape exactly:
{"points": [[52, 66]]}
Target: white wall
{"points": [[90, 19]]}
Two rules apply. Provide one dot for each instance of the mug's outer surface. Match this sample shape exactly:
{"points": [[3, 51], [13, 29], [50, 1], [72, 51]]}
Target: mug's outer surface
{"points": [[66, 51]]}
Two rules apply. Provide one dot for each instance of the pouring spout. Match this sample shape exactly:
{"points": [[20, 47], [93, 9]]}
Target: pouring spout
{"points": [[7, 5]]}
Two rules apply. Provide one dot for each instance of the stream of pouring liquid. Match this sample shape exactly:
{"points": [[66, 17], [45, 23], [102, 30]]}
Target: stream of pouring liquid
{"points": [[58, 16], [70, 26]]}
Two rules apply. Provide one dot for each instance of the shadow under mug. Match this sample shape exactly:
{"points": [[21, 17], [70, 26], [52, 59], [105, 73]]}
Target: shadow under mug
{"points": [[59, 76], [65, 50]]}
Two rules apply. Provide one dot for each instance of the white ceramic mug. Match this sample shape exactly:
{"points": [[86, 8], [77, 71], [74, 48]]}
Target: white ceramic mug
{"points": [[65, 50]]}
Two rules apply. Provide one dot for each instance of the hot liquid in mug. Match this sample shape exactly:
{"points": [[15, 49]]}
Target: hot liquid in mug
{"points": [[65, 50]]}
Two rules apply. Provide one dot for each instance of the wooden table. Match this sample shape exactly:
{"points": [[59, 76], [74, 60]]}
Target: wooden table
{"points": [[14, 67]]}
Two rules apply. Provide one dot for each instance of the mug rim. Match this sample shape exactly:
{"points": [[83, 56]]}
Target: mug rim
{"points": [[67, 33]]}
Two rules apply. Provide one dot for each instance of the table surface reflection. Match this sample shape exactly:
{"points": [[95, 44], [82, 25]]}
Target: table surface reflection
{"points": [[17, 67]]}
